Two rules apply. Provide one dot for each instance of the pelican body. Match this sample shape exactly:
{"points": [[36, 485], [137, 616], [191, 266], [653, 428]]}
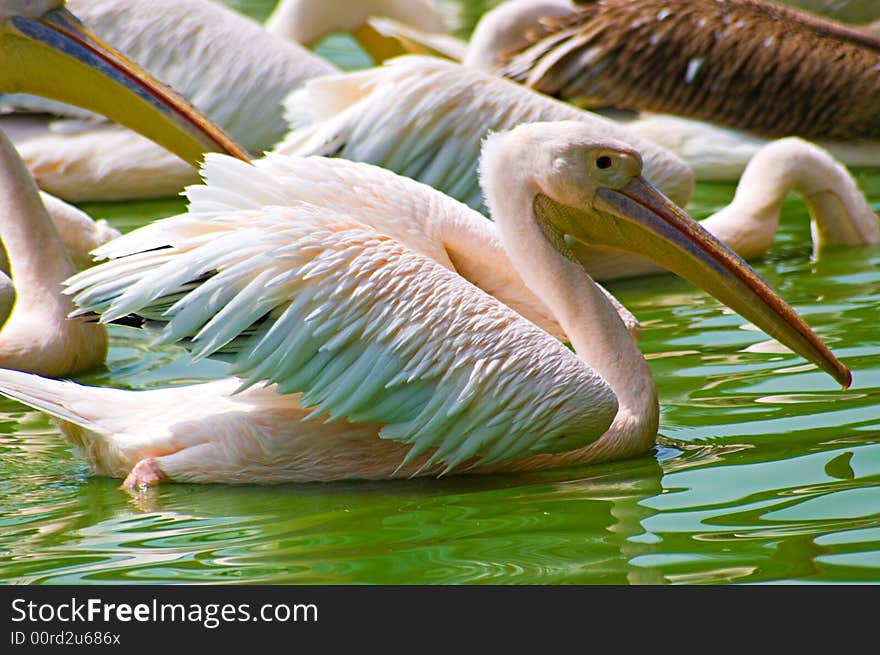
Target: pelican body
{"points": [[748, 64], [359, 356]]}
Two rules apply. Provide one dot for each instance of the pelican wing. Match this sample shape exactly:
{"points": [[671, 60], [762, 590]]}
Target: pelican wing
{"points": [[423, 219], [425, 118], [366, 329], [759, 66]]}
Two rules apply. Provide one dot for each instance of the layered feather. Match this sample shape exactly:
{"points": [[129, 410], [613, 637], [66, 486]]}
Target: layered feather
{"points": [[425, 118], [749, 64], [226, 64], [366, 328], [423, 219]]}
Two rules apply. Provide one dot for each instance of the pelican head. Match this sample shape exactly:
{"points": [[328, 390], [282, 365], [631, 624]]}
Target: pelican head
{"points": [[589, 190], [309, 21], [46, 51]]}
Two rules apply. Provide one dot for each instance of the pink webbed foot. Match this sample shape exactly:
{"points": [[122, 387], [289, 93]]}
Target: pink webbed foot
{"points": [[144, 474]]}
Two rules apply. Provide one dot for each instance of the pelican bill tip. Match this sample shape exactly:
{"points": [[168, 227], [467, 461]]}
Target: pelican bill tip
{"points": [[845, 378]]}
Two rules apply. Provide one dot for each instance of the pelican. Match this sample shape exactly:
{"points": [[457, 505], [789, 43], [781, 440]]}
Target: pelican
{"points": [[36, 334], [753, 65], [224, 63], [342, 116], [413, 370], [443, 229]]}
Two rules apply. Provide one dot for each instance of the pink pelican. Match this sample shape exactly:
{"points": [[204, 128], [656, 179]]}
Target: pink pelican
{"points": [[411, 369]]}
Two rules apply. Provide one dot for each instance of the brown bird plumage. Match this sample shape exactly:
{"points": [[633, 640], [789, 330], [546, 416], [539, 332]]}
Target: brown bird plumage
{"points": [[749, 64]]}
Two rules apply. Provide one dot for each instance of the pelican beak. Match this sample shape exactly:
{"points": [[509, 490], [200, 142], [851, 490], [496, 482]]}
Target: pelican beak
{"points": [[55, 56], [638, 218]]}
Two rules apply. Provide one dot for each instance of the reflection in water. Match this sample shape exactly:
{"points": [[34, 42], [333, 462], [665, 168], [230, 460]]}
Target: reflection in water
{"points": [[549, 527], [763, 472]]}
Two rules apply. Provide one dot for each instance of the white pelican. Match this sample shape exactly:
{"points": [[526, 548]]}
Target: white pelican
{"points": [[343, 116], [436, 226], [36, 334], [414, 371], [227, 65]]}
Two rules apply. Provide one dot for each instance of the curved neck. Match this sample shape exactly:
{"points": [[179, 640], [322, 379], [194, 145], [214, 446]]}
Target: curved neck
{"points": [[309, 21], [507, 28], [838, 210], [587, 317], [38, 262]]}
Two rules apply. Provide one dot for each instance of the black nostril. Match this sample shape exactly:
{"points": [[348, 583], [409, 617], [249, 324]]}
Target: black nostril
{"points": [[603, 162]]}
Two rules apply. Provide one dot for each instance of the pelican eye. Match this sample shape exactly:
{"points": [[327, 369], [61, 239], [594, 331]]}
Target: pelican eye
{"points": [[603, 162]]}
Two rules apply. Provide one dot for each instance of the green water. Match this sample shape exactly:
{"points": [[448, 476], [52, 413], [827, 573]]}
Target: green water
{"points": [[764, 470]]}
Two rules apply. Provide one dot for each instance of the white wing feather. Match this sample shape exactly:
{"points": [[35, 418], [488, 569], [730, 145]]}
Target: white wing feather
{"points": [[425, 118], [425, 220]]}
